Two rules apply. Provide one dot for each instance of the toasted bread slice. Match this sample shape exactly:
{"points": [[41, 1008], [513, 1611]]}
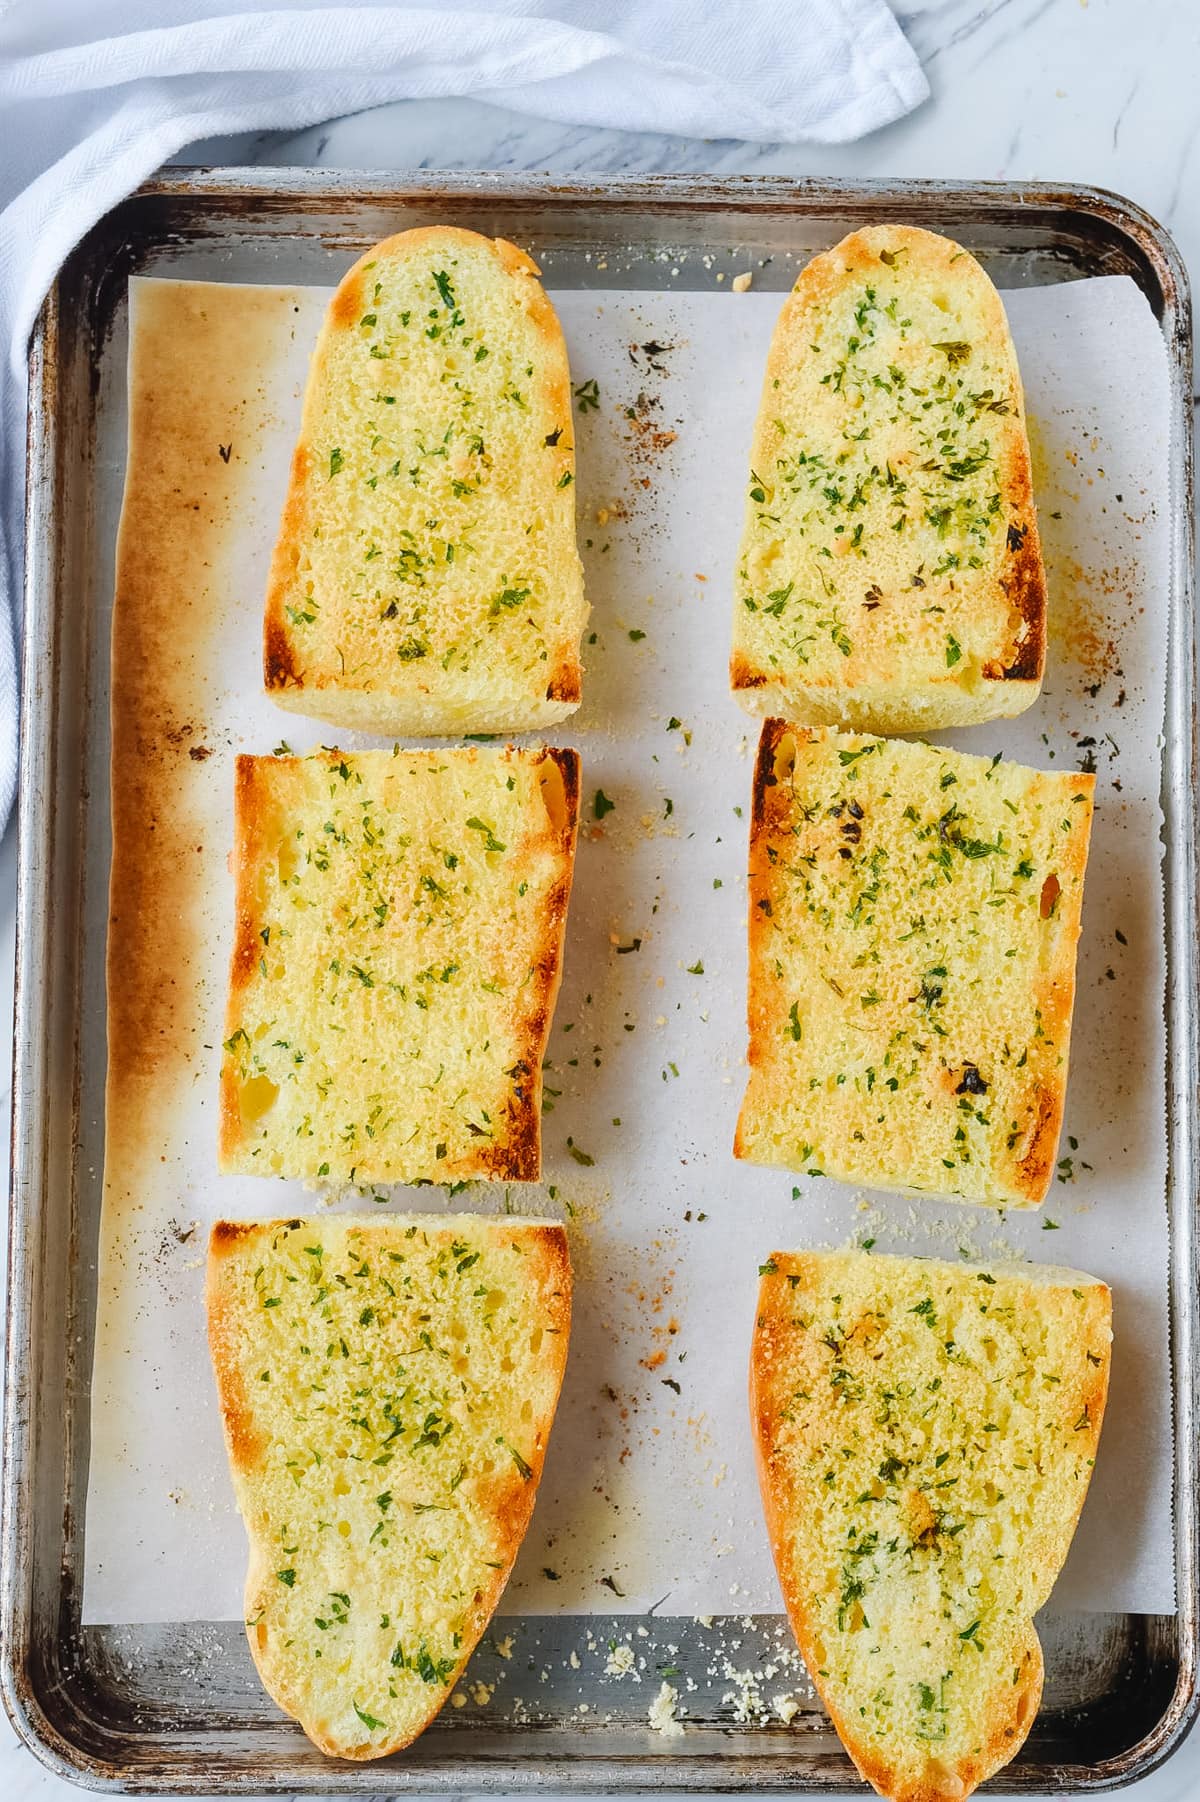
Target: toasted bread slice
{"points": [[890, 576], [397, 955], [387, 1387], [914, 914], [426, 580], [925, 1436]]}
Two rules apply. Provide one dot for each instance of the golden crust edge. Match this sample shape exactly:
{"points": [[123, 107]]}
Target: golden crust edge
{"points": [[1056, 998], [246, 858], [764, 693], [759, 888], [525, 1140]]}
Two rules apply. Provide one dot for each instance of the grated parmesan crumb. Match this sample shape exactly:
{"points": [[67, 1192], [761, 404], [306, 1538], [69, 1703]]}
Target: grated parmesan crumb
{"points": [[662, 1713], [746, 1698]]}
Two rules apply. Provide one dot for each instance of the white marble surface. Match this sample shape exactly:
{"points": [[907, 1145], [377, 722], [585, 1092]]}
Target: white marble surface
{"points": [[1097, 91]]}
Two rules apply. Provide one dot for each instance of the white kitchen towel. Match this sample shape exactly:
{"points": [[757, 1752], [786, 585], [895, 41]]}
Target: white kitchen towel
{"points": [[95, 94]]}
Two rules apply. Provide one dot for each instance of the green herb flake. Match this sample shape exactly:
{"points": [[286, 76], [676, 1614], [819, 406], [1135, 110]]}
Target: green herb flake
{"points": [[491, 842]]}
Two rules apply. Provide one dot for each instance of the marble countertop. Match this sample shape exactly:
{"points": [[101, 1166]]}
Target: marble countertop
{"points": [[1095, 91]]}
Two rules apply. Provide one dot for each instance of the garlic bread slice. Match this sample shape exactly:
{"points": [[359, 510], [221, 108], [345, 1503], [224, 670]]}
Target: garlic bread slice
{"points": [[890, 574], [387, 1387], [925, 1434], [426, 581]]}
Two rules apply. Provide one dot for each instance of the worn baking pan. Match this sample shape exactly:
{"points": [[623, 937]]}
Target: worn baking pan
{"points": [[177, 1708]]}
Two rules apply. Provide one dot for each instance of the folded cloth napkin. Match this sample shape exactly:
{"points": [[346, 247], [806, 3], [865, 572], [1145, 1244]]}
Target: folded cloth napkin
{"points": [[95, 94]]}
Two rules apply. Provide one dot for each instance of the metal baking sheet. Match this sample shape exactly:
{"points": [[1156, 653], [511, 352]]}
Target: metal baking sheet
{"points": [[177, 1707]]}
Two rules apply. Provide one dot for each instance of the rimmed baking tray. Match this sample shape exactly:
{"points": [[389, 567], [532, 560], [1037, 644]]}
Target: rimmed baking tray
{"points": [[177, 1708]]}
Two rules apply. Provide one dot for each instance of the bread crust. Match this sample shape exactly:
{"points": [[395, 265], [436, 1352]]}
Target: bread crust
{"points": [[769, 810], [789, 1280], [860, 690], [412, 698], [1023, 1164], [262, 785], [509, 1501]]}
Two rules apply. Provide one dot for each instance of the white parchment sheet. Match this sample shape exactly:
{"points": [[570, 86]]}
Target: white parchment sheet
{"points": [[649, 1496]]}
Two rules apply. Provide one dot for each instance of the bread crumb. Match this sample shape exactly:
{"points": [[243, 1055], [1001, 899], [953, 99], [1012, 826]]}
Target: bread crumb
{"points": [[662, 1713], [787, 1708], [573, 1661], [741, 282], [458, 1699], [504, 1646], [746, 1698], [481, 1693], [620, 1661]]}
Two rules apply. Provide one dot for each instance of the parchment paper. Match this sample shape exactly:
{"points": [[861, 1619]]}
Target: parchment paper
{"points": [[649, 1481]]}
